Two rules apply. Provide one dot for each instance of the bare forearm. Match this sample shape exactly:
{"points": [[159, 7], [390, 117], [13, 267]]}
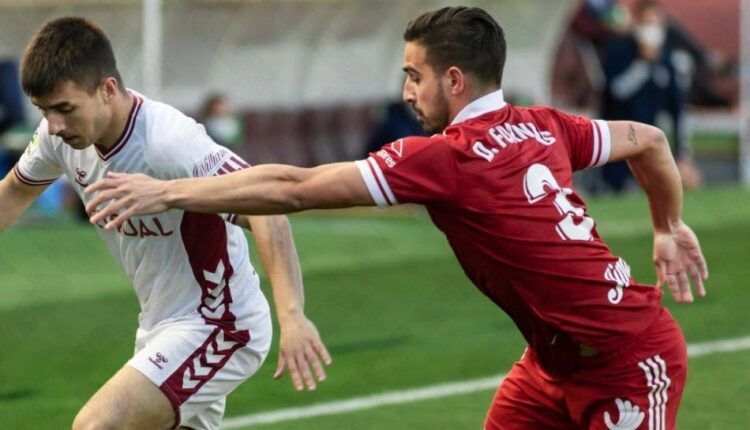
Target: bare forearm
{"points": [[8, 215], [14, 199], [273, 237], [261, 190], [657, 174]]}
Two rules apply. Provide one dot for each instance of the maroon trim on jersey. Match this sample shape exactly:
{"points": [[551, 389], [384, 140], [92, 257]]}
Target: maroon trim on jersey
{"points": [[223, 170], [28, 181], [209, 260], [231, 164], [239, 161], [370, 162], [106, 154]]}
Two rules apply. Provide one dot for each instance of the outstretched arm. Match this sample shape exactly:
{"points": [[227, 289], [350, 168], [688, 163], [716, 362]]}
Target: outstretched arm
{"points": [[300, 346], [15, 197], [261, 190], [677, 252]]}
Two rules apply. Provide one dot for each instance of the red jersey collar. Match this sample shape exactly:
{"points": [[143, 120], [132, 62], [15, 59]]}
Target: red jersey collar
{"points": [[480, 106]]}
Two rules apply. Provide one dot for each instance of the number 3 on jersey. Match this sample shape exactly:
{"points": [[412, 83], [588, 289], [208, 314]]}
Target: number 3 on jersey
{"points": [[538, 183]]}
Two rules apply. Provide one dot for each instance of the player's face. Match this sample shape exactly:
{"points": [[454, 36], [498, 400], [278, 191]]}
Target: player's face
{"points": [[423, 89], [73, 114]]}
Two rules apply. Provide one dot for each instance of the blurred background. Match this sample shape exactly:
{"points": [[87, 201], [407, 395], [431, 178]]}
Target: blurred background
{"points": [[306, 82]]}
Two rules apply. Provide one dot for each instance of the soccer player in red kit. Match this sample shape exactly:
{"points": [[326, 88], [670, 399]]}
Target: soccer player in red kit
{"points": [[497, 180]]}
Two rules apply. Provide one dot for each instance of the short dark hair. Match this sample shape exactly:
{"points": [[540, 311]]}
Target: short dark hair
{"points": [[68, 49], [465, 37]]}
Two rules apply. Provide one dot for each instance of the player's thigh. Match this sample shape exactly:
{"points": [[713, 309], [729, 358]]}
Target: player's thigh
{"points": [[527, 401], [640, 392], [197, 365], [128, 400], [653, 405]]}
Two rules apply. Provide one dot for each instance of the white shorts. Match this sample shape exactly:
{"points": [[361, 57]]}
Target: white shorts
{"points": [[197, 364]]}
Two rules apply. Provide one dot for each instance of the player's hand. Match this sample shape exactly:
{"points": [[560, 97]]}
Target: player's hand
{"points": [[122, 195], [300, 348], [678, 257]]}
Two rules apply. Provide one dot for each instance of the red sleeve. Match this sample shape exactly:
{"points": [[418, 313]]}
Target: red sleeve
{"points": [[587, 140], [410, 170]]}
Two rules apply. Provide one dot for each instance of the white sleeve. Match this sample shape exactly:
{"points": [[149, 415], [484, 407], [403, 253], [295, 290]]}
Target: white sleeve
{"points": [[211, 159], [602, 143], [39, 165], [186, 151]]}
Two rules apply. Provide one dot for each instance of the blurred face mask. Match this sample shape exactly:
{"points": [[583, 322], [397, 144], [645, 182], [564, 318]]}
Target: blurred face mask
{"points": [[226, 130], [652, 35]]}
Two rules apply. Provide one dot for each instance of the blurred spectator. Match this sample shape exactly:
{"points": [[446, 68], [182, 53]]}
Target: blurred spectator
{"points": [[600, 21], [12, 115], [577, 78], [643, 80], [221, 123], [399, 121]]}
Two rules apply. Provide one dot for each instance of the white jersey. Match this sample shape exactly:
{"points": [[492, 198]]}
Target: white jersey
{"points": [[180, 263]]}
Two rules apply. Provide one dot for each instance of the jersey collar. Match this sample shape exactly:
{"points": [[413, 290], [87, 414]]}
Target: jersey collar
{"points": [[106, 154], [480, 106]]}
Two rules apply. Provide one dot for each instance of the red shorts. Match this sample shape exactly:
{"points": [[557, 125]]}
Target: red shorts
{"points": [[638, 386]]}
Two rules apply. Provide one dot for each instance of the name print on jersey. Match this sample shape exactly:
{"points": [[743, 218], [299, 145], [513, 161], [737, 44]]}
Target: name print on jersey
{"points": [[507, 134], [511, 134]]}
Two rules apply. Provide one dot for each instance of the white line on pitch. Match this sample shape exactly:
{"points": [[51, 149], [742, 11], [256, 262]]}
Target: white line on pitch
{"points": [[431, 392]]}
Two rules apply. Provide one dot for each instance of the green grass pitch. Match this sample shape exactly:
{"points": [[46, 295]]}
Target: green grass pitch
{"points": [[390, 301]]}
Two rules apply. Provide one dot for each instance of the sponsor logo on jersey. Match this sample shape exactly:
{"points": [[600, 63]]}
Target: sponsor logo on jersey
{"points": [[619, 273], [629, 416], [80, 177], [138, 227], [389, 161], [33, 143], [209, 162], [398, 147]]}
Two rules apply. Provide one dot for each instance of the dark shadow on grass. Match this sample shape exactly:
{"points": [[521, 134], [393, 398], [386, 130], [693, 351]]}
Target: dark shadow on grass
{"points": [[9, 396], [349, 347]]}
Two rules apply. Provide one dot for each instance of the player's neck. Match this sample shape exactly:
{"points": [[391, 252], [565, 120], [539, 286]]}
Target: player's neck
{"points": [[459, 103], [122, 105]]}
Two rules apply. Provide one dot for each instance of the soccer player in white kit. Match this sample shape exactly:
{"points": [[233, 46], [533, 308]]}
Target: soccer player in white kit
{"points": [[204, 325]]}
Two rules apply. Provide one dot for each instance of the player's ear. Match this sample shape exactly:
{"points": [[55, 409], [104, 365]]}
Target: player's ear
{"points": [[109, 89], [456, 80]]}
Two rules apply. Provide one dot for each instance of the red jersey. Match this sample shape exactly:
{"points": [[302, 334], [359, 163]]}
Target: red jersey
{"points": [[499, 184]]}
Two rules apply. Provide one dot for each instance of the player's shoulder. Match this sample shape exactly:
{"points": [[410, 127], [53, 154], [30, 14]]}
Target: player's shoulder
{"points": [[553, 113], [412, 145], [554, 118], [165, 122], [542, 112], [168, 131], [42, 140]]}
